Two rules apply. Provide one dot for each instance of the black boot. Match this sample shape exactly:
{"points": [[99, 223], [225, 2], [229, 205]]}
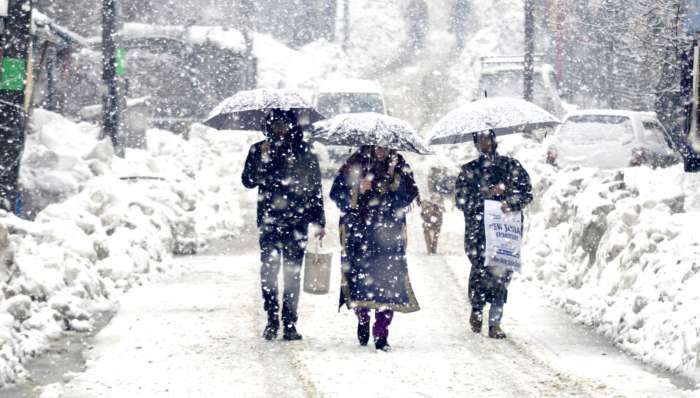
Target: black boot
{"points": [[290, 333], [273, 325], [363, 333], [476, 321], [381, 343], [495, 332]]}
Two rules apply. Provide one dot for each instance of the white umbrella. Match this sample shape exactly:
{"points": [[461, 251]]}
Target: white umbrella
{"points": [[358, 129], [247, 110], [504, 115]]}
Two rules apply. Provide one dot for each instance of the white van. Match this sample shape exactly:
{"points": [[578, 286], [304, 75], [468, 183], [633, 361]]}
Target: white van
{"points": [[335, 97], [349, 96], [503, 77]]}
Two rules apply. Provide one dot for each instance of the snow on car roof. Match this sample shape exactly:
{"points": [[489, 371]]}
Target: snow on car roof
{"points": [[612, 112], [350, 86]]}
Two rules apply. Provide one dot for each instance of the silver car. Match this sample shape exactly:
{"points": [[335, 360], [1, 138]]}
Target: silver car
{"points": [[611, 139]]}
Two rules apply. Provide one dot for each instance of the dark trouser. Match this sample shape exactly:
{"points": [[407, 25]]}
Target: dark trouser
{"points": [[382, 320], [282, 246], [488, 285]]}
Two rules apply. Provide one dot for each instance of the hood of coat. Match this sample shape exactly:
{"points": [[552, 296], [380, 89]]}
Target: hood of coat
{"points": [[294, 133], [494, 145]]}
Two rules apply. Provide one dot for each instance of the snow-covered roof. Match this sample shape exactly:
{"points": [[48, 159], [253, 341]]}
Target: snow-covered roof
{"points": [[48, 29], [350, 86], [230, 39]]}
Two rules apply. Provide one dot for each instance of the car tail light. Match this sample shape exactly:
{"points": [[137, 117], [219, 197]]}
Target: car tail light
{"points": [[551, 157]]}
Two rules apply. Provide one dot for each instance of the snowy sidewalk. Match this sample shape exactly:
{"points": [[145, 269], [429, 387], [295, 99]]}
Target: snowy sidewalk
{"points": [[199, 335]]}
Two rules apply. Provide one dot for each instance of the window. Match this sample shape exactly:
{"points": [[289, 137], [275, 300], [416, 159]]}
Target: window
{"points": [[333, 104], [655, 133], [592, 129]]}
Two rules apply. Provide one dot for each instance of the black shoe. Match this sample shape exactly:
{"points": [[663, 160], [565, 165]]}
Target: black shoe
{"points": [[476, 322], [290, 333], [363, 333], [270, 332], [495, 332], [381, 343]]}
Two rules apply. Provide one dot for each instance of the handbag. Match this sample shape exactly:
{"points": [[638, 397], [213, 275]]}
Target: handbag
{"points": [[317, 271]]}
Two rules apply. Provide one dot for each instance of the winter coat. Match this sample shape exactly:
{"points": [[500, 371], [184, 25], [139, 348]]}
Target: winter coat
{"points": [[288, 179], [691, 159], [373, 233], [471, 190]]}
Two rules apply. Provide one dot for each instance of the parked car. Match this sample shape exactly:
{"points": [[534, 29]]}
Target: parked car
{"points": [[335, 97], [503, 77], [611, 139]]}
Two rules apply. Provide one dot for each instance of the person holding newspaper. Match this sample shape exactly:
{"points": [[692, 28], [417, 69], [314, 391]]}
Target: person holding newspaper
{"points": [[492, 191]]}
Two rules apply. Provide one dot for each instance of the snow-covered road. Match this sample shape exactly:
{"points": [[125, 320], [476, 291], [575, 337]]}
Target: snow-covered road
{"points": [[198, 334]]}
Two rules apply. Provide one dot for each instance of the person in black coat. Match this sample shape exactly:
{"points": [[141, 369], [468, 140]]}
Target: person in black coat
{"points": [[287, 175], [373, 191], [490, 177]]}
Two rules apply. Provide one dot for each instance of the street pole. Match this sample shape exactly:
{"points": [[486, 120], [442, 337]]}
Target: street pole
{"points": [[16, 45], [331, 14], [346, 25], [113, 103], [529, 59], [247, 19]]}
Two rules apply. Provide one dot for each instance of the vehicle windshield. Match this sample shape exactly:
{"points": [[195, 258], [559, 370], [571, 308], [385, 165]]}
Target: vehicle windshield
{"points": [[333, 104], [655, 134], [596, 128]]}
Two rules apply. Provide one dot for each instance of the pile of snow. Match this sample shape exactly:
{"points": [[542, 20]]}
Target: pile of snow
{"points": [[113, 223], [619, 250], [59, 158]]}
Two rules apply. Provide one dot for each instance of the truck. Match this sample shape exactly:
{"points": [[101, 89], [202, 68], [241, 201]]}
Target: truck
{"points": [[503, 76]]}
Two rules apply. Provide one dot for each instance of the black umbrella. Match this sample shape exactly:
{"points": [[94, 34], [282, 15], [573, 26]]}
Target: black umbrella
{"points": [[358, 129], [247, 110]]}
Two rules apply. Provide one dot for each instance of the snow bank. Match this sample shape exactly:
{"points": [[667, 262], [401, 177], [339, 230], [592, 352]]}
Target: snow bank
{"points": [[619, 250], [112, 223]]}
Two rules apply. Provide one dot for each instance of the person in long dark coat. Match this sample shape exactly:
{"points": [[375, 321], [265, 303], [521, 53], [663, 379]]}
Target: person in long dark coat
{"points": [[490, 177], [287, 175], [374, 190]]}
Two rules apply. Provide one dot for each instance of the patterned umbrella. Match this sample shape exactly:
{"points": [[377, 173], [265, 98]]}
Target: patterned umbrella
{"points": [[357, 129], [247, 109], [504, 115]]}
